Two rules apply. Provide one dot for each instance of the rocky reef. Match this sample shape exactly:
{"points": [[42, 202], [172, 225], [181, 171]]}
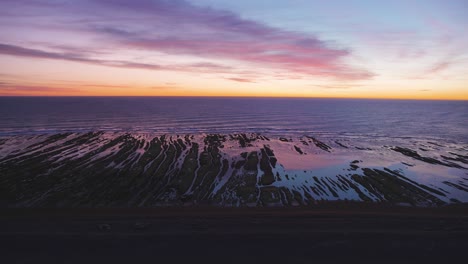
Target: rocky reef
{"points": [[101, 169]]}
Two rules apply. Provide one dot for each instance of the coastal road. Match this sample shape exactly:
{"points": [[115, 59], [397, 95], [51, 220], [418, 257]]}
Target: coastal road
{"points": [[325, 234]]}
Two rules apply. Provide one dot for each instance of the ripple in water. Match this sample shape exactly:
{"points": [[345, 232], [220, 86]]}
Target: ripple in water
{"points": [[276, 116]]}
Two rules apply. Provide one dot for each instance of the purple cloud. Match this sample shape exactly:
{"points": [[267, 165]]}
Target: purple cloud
{"points": [[178, 27], [245, 80], [13, 50]]}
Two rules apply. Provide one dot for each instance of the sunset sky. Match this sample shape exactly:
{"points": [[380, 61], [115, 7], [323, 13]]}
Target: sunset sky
{"points": [[297, 48]]}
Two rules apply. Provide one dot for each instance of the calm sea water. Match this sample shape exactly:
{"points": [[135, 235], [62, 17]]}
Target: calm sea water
{"points": [[372, 118]]}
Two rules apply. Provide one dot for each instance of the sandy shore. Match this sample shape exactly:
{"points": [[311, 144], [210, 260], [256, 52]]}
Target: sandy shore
{"points": [[327, 233]]}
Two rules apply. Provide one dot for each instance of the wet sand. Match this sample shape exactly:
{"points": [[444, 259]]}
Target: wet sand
{"points": [[326, 233]]}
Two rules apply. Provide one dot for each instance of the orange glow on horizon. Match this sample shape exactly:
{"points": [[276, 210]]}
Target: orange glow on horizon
{"points": [[274, 93]]}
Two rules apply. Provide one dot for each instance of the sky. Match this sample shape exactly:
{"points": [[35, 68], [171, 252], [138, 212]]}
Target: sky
{"points": [[404, 49]]}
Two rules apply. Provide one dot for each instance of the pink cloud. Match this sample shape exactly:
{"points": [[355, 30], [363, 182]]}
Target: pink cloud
{"points": [[439, 67], [180, 28]]}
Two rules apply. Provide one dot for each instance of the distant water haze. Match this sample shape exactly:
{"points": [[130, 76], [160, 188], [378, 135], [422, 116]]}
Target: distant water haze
{"points": [[274, 116]]}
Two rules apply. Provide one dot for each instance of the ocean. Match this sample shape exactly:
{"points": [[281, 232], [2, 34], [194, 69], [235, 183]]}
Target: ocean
{"points": [[434, 120], [154, 151]]}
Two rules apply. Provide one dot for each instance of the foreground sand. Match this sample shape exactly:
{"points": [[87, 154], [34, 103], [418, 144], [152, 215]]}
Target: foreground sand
{"points": [[328, 233]]}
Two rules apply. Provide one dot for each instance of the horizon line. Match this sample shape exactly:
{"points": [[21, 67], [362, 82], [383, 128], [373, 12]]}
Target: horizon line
{"points": [[237, 96]]}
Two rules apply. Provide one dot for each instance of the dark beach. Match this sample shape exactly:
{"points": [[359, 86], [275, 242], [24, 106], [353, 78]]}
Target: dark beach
{"points": [[105, 169]]}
